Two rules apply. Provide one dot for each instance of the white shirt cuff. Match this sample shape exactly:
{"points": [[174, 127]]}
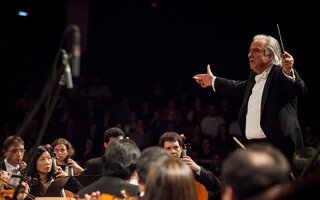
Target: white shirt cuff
{"points": [[291, 78], [213, 80]]}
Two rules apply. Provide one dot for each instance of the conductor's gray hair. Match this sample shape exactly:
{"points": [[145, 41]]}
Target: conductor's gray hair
{"points": [[272, 47]]}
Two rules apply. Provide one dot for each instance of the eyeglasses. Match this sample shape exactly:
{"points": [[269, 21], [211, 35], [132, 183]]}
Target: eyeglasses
{"points": [[21, 151]]}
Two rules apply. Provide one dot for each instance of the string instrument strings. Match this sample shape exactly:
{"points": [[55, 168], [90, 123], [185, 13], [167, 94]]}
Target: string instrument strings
{"points": [[30, 196], [185, 147]]}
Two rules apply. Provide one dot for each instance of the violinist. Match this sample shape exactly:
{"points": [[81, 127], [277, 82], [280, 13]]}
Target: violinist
{"points": [[13, 150], [172, 142], [41, 167], [64, 151]]}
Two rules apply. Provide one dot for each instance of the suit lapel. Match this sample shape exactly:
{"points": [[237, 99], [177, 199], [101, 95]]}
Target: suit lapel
{"points": [[267, 87], [244, 106]]}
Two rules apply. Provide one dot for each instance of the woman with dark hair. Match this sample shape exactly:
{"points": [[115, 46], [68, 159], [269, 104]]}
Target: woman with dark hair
{"points": [[40, 166], [64, 151], [170, 179]]}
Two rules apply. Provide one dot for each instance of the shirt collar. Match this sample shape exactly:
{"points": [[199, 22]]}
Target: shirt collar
{"points": [[264, 74], [11, 168]]}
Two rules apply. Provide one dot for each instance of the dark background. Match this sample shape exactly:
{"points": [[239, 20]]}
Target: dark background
{"points": [[138, 43]]}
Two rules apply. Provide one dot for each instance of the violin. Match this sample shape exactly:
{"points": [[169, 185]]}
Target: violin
{"points": [[9, 193]]}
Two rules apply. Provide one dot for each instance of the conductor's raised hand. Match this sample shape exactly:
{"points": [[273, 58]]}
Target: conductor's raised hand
{"points": [[204, 80], [287, 63]]}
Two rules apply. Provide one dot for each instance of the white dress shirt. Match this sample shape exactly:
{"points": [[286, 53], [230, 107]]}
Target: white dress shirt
{"points": [[14, 170], [253, 117], [253, 128]]}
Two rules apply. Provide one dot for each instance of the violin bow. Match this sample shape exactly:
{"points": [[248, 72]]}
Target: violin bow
{"points": [[239, 143]]}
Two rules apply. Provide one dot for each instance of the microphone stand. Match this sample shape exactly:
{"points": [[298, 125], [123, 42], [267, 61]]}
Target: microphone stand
{"points": [[62, 82]]}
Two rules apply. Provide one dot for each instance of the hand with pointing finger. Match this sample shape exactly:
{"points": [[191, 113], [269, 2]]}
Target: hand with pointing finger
{"points": [[204, 80]]}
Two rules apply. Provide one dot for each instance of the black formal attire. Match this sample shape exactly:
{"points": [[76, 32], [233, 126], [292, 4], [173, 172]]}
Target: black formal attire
{"points": [[279, 120], [110, 185], [208, 180], [72, 185], [93, 167], [3, 165]]}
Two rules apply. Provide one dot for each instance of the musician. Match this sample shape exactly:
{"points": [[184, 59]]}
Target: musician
{"points": [[148, 156], [64, 151], [269, 108], [172, 142], [41, 167], [13, 150], [170, 179], [94, 165], [119, 165], [254, 170]]}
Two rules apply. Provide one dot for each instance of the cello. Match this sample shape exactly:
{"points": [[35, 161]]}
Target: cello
{"points": [[201, 190]]}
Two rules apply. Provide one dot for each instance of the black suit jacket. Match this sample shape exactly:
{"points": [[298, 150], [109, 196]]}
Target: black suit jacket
{"points": [[3, 165], [278, 105], [110, 185], [93, 167], [208, 180]]}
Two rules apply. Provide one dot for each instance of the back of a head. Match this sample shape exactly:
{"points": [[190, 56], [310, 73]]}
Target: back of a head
{"points": [[170, 179], [170, 136], [301, 160], [253, 170], [120, 158], [113, 133], [148, 156]]}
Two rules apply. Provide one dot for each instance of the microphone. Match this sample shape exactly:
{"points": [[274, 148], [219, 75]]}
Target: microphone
{"points": [[65, 62], [76, 51]]}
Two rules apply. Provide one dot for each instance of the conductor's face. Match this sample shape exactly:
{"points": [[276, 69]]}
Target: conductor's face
{"points": [[258, 59], [173, 148]]}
